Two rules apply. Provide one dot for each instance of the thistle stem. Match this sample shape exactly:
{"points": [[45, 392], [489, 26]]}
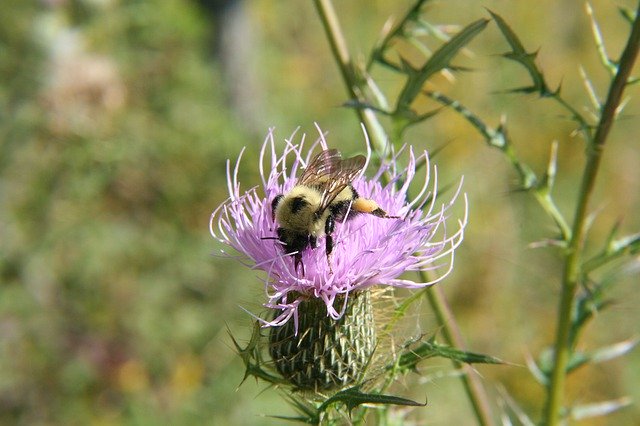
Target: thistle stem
{"points": [[355, 90], [572, 267], [474, 389], [452, 335]]}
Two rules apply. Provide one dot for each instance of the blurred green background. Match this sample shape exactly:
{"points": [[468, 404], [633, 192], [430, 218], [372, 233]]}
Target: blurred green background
{"points": [[116, 119]]}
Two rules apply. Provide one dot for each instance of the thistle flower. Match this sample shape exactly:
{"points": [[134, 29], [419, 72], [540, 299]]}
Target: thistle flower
{"points": [[369, 251], [332, 337]]}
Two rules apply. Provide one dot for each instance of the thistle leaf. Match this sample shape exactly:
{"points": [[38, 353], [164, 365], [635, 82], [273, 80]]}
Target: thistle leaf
{"points": [[252, 358], [548, 179], [353, 397], [615, 248], [507, 404], [356, 104], [628, 242], [398, 30], [588, 303], [627, 14], [578, 358], [598, 409], [613, 351], [412, 356], [524, 58], [440, 60], [536, 371], [610, 65], [309, 414], [305, 420]]}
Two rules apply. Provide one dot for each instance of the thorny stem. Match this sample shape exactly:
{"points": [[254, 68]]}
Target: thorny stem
{"points": [[474, 389], [498, 138], [572, 268], [341, 54], [453, 336]]}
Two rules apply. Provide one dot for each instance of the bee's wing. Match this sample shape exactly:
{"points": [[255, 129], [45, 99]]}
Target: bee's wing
{"points": [[328, 172]]}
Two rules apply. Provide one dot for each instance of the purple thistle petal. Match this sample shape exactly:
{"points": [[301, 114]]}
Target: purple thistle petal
{"points": [[368, 250]]}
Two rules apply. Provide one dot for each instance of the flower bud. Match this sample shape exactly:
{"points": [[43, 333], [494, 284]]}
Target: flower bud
{"points": [[325, 353]]}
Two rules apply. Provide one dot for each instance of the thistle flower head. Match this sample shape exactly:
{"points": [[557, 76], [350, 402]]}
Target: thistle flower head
{"points": [[368, 250]]}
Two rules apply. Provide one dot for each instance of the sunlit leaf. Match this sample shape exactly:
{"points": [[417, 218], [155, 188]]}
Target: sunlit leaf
{"points": [[354, 103], [353, 397], [398, 30], [613, 351], [541, 376], [520, 55], [628, 14], [507, 403], [309, 414], [412, 356], [598, 409], [440, 60]]}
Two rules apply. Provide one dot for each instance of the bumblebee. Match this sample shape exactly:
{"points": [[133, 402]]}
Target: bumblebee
{"points": [[322, 196]]}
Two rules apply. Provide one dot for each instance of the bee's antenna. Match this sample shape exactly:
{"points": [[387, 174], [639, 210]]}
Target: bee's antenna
{"points": [[268, 238]]}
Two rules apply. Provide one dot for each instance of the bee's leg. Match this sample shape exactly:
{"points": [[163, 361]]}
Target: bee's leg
{"points": [[313, 241], [329, 226]]}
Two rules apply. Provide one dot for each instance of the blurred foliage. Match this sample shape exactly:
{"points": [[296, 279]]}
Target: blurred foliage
{"points": [[114, 132]]}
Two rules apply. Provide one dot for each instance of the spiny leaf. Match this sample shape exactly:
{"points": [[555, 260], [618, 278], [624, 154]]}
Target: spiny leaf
{"points": [[615, 248], [353, 397], [400, 311], [609, 64], [412, 356], [507, 402], [580, 358], [398, 30], [354, 103], [577, 360], [536, 371], [493, 137], [588, 303], [613, 351], [598, 409], [628, 242], [440, 60], [308, 411], [548, 179], [520, 55], [306, 420], [252, 358], [628, 14]]}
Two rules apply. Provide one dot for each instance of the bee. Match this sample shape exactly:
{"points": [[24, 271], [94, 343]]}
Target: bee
{"points": [[322, 196]]}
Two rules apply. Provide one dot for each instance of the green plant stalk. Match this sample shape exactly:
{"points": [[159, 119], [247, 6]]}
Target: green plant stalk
{"points": [[452, 335], [340, 52], [572, 267], [474, 389]]}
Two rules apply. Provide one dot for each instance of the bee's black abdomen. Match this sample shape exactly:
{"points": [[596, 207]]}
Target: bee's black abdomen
{"points": [[293, 241], [339, 210]]}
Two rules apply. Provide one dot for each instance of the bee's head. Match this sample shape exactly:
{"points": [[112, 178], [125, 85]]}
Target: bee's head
{"points": [[294, 242]]}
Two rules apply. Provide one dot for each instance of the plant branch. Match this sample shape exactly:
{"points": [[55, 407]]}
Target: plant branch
{"points": [[572, 269], [354, 88], [453, 337]]}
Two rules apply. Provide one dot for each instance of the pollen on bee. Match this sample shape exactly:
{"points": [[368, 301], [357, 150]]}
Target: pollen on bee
{"points": [[364, 205]]}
